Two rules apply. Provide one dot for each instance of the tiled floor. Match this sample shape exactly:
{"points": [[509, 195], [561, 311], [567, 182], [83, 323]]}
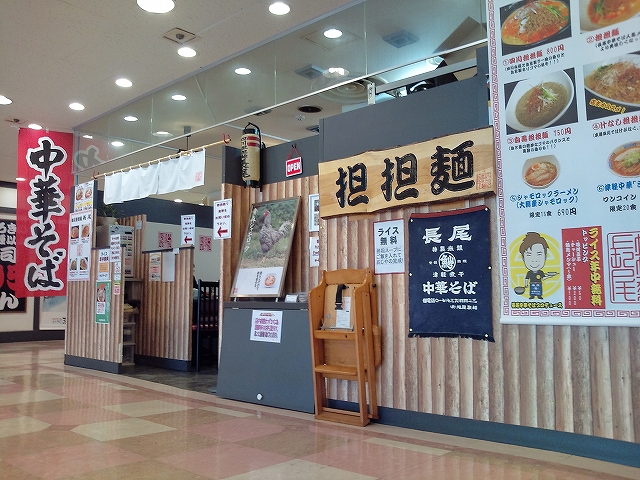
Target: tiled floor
{"points": [[60, 422]]}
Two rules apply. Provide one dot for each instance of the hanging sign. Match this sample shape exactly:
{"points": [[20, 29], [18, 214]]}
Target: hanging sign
{"points": [[454, 166], [450, 274], [83, 196], [80, 224], [222, 219], [567, 138], [188, 223], [44, 160]]}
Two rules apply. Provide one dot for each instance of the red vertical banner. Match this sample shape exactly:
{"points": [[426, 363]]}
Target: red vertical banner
{"points": [[45, 161], [583, 266]]}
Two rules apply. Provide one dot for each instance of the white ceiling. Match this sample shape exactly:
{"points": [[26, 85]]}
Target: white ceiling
{"points": [[54, 52]]}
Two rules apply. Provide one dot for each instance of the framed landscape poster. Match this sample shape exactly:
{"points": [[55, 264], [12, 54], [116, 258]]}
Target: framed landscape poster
{"points": [[266, 248]]}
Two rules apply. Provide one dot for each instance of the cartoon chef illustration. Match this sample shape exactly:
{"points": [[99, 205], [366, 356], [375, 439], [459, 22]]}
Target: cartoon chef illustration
{"points": [[534, 255]]}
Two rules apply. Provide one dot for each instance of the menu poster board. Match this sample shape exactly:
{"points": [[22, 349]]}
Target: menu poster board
{"points": [[450, 274], [566, 110], [83, 196], [265, 250], [126, 241], [155, 263], [103, 302], [103, 264], [80, 228]]}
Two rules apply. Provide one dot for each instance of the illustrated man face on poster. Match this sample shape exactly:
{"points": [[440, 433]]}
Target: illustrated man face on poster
{"points": [[534, 249]]}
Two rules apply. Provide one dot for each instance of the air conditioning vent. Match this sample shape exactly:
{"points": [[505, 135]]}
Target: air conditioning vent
{"points": [[179, 35], [400, 39], [310, 72]]}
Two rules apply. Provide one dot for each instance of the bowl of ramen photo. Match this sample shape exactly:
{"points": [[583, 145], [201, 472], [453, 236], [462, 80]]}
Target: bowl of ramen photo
{"points": [[596, 14], [539, 103], [79, 193], [73, 265], [540, 172], [624, 161], [83, 264], [88, 192], [75, 232], [530, 23], [616, 80], [85, 230], [270, 280]]}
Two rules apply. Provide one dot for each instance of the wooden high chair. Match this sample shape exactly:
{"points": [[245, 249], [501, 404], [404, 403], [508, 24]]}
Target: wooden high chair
{"points": [[345, 341]]}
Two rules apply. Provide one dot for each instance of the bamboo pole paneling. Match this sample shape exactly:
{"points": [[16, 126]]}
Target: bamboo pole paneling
{"points": [[167, 308], [84, 337], [568, 378]]}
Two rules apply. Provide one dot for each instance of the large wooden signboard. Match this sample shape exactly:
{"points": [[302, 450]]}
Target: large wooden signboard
{"points": [[454, 166]]}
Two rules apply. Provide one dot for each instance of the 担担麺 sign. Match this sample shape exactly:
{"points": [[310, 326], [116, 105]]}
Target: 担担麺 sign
{"points": [[459, 165]]}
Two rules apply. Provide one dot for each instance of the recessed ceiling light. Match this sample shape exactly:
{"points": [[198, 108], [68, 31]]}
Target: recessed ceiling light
{"points": [[35, 126], [21, 179], [177, 97], [279, 8], [156, 6], [242, 71], [337, 72], [5, 100], [131, 118], [117, 143], [124, 82], [333, 33], [76, 106], [90, 137], [201, 204], [187, 52], [178, 200], [161, 133]]}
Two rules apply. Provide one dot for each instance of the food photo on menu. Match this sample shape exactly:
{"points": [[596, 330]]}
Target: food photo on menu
{"points": [[595, 14], [624, 161], [526, 24], [612, 86], [540, 102]]}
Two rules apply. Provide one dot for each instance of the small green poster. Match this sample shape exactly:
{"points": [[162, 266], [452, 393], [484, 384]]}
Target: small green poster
{"points": [[103, 301]]}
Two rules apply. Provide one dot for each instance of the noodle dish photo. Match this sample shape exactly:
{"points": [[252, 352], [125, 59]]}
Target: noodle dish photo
{"points": [[540, 172], [539, 102], [616, 80], [624, 161], [532, 23], [595, 14]]}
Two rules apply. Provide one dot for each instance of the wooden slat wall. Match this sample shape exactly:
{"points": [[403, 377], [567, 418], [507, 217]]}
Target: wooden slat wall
{"points": [[164, 328], [575, 379], [84, 337]]}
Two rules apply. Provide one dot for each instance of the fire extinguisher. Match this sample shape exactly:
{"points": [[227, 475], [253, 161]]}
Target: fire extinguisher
{"points": [[250, 146]]}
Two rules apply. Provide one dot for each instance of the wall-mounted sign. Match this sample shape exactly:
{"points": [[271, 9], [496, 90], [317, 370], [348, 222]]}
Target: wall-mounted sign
{"points": [[188, 224], [388, 246], [454, 166], [165, 240], [294, 166], [567, 121], [103, 302], [8, 300], [222, 219], [266, 326]]}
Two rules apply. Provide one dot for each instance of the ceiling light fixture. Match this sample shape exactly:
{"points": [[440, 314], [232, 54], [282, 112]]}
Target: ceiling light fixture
{"points": [[117, 143], [76, 106], [161, 133], [337, 72], [156, 6], [124, 82], [5, 100], [21, 179], [279, 8], [131, 118], [178, 200], [178, 97], [35, 126], [333, 33], [187, 52], [90, 137], [242, 71]]}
